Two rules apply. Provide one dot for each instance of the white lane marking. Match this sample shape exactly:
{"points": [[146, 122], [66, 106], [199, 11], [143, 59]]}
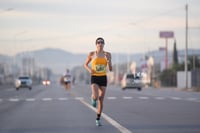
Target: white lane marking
{"points": [[46, 99], [143, 98], [13, 99], [111, 98], [30, 99], [108, 119], [125, 97], [159, 98], [191, 99], [62, 98], [175, 98], [79, 98]]}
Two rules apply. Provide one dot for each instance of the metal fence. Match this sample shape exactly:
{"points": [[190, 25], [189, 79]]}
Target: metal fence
{"points": [[195, 78]]}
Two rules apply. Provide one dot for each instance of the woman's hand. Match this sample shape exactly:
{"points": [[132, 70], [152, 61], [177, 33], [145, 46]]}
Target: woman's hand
{"points": [[108, 57], [91, 71]]}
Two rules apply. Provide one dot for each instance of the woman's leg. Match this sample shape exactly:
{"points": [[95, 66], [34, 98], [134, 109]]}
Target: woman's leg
{"points": [[101, 92], [94, 95], [94, 88]]}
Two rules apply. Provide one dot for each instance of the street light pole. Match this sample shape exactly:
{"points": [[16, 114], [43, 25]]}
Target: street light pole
{"points": [[186, 47]]}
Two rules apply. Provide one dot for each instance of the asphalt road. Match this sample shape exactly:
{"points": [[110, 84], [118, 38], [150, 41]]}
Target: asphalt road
{"points": [[52, 109]]}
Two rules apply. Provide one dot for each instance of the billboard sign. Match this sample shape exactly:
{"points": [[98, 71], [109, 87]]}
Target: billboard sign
{"points": [[166, 34]]}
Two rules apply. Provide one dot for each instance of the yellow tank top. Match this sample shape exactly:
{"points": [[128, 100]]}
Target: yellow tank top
{"points": [[99, 66]]}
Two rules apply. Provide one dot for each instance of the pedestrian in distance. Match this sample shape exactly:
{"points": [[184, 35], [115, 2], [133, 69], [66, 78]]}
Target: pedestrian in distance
{"points": [[65, 80], [100, 60]]}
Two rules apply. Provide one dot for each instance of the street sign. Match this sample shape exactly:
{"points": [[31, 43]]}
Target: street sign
{"points": [[166, 34]]}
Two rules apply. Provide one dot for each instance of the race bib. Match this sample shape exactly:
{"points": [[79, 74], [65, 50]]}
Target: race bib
{"points": [[100, 68]]}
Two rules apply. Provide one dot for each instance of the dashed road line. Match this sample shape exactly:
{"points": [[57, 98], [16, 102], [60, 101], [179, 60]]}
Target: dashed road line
{"points": [[144, 98], [30, 99], [192, 99], [159, 98], [62, 98], [13, 99], [111, 98], [79, 98], [46, 99], [125, 97], [175, 98]]}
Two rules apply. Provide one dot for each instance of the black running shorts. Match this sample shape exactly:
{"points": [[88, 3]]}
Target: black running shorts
{"points": [[99, 80]]}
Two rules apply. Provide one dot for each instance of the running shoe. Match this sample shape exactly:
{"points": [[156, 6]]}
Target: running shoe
{"points": [[93, 102], [98, 123]]}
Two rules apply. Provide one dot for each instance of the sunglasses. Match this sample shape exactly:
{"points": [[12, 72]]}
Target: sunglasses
{"points": [[100, 42]]}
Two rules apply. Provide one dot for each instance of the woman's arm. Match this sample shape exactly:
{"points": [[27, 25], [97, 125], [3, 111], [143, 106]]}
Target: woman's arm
{"points": [[109, 60], [88, 60]]}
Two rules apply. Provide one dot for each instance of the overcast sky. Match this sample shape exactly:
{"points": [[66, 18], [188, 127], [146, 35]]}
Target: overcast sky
{"points": [[128, 26]]}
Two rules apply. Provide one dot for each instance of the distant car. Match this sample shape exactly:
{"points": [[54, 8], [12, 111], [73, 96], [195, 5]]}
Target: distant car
{"points": [[132, 81], [46, 82], [23, 82]]}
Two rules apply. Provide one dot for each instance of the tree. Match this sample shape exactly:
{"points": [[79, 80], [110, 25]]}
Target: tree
{"points": [[175, 54], [168, 77]]}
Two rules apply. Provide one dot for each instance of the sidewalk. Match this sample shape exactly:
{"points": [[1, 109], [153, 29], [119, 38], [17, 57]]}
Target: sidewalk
{"points": [[179, 89]]}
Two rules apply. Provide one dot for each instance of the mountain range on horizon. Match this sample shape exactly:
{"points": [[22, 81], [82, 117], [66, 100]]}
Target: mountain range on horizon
{"points": [[58, 60]]}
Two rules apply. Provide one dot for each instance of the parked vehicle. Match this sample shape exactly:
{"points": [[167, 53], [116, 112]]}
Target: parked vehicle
{"points": [[132, 81], [23, 82]]}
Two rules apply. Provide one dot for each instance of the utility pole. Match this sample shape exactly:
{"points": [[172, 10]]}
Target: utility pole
{"points": [[128, 62], [117, 69], [186, 46]]}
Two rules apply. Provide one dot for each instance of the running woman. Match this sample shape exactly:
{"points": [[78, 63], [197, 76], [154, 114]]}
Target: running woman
{"points": [[99, 60]]}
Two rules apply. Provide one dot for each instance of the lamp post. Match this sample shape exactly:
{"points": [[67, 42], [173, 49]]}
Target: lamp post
{"points": [[186, 46]]}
